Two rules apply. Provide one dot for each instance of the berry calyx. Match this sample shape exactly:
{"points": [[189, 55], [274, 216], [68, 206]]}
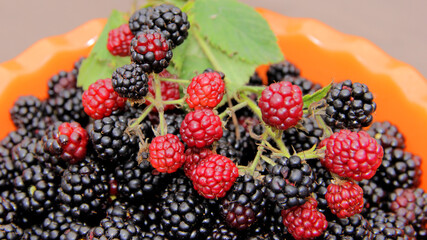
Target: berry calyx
{"points": [[100, 99], [206, 90], [166, 153], [214, 176], [352, 154], [344, 199], [281, 105], [201, 128]]}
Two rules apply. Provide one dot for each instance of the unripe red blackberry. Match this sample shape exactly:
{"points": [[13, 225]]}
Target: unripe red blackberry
{"points": [[345, 198], [166, 153], [130, 81], [201, 128], [118, 42], [350, 105], [165, 18], [169, 90], [151, 51]]}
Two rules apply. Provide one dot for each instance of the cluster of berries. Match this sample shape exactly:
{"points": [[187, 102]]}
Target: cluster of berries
{"points": [[129, 158]]}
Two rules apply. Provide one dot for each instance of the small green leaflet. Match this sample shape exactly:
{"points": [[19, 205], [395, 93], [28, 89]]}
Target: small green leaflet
{"points": [[100, 63], [315, 97], [237, 29]]}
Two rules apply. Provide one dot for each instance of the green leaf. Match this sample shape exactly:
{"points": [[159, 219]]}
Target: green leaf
{"points": [[100, 63], [196, 54], [315, 97], [238, 30]]}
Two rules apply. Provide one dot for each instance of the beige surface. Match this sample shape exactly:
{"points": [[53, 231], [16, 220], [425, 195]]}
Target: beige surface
{"points": [[397, 26]]}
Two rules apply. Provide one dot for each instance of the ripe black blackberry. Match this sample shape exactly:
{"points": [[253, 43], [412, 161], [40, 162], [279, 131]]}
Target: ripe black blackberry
{"points": [[245, 203], [61, 81], [54, 225], [115, 228], [398, 169], [139, 182], [255, 80], [306, 86], [8, 210], [299, 140], [355, 227], [76, 231], [24, 155], [289, 182], [165, 18], [26, 112], [130, 81], [276, 72], [387, 225], [387, 135], [84, 189], [411, 204], [184, 213], [110, 139], [323, 179], [11, 231], [349, 105], [7, 173], [12, 139], [221, 231], [151, 51], [374, 195], [271, 226], [67, 106], [36, 190]]}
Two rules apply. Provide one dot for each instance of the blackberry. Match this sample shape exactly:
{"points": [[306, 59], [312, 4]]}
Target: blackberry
{"points": [[67, 106], [139, 182], [36, 190], [184, 213], [7, 172], [373, 194], [387, 225], [24, 155], [323, 179], [349, 105], [11, 231], [12, 139], [255, 80], [306, 86], [276, 72], [299, 140], [165, 18], [222, 231], [411, 204], [355, 227], [289, 182], [115, 228], [154, 234], [54, 225], [26, 112], [110, 139], [173, 120], [387, 135], [83, 191], [130, 81], [76, 231], [151, 51], [61, 81], [8, 210], [77, 65], [244, 203], [398, 169]]}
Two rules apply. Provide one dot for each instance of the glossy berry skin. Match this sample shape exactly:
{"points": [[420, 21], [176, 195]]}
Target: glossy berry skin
{"points": [[166, 153], [100, 99], [129, 81], [352, 154], [193, 156], [281, 105], [151, 50], [118, 42], [305, 221], [345, 199], [201, 128], [214, 176], [69, 142], [206, 90]]}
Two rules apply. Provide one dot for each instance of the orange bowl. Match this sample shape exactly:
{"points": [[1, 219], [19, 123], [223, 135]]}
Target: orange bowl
{"points": [[322, 53]]}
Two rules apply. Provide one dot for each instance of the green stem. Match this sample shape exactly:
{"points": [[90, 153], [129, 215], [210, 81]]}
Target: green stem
{"points": [[268, 160], [207, 50], [158, 102], [255, 162], [180, 102], [252, 105], [180, 81], [254, 89], [309, 154], [141, 117], [162, 123], [278, 140], [327, 131], [230, 110]]}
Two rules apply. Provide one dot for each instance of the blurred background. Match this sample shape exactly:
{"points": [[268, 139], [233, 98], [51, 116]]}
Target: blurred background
{"points": [[398, 27]]}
